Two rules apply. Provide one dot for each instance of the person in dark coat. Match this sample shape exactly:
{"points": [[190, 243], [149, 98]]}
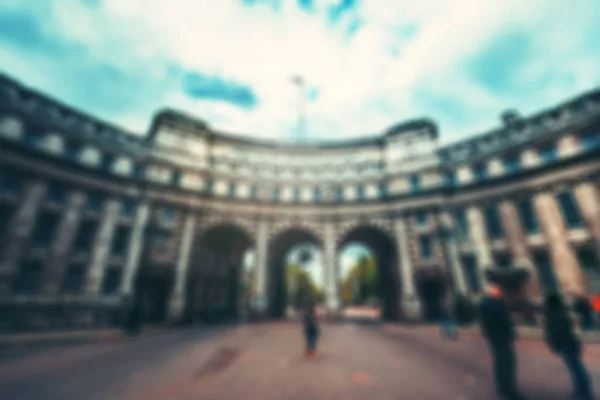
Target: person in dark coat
{"points": [[311, 331], [583, 308], [562, 340], [499, 332]]}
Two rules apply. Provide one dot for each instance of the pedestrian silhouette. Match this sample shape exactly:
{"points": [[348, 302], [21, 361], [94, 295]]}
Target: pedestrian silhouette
{"points": [[499, 332], [311, 331], [562, 340]]}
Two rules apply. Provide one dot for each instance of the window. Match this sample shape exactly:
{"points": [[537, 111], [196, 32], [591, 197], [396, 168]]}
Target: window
{"points": [[588, 260], [570, 210], [479, 172], [317, 194], [29, 278], [360, 192], [591, 140], [32, 136], [167, 215], [471, 273], [462, 225], [107, 161], [296, 195], [503, 260], [57, 194], [512, 164], [137, 171], [85, 236], [176, 178], [528, 216], [421, 218], [253, 192], [231, 189], [73, 280], [425, 244], [415, 183], [45, 229], [95, 201], [209, 188], [493, 223], [160, 240], [111, 281], [548, 153], [450, 178], [72, 149], [120, 241], [11, 183], [383, 190], [340, 193], [276, 193], [127, 208]]}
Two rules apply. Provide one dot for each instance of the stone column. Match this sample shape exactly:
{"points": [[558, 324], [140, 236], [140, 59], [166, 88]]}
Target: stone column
{"points": [[588, 199], [331, 286], [410, 303], [177, 300], [479, 239], [566, 268], [22, 225], [455, 267], [134, 249], [67, 229], [517, 241], [102, 247], [262, 270]]}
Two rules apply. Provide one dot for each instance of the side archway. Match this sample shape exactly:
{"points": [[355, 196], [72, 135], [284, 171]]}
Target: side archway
{"points": [[386, 259], [279, 247], [213, 290]]}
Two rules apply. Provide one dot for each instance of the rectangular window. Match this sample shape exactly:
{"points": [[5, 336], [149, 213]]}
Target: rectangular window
{"points": [[588, 260], [503, 260], [209, 188], [360, 192], [73, 280], [548, 153], [383, 190], [276, 193], [512, 164], [253, 192], [462, 225], [316, 195], [176, 178], [340, 193], [29, 278], [45, 229], [167, 215], [422, 218], [471, 273], [426, 248], [127, 208], [95, 201], [479, 172], [493, 222], [72, 149], [120, 240], [570, 210], [296, 195], [11, 183], [85, 236], [450, 179], [591, 140], [111, 281], [528, 216], [231, 189], [32, 136], [415, 183], [137, 171], [107, 161]]}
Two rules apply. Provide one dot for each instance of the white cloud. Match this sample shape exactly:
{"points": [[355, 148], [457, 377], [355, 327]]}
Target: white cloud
{"points": [[363, 87]]}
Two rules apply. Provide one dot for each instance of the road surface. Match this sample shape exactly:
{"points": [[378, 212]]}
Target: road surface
{"points": [[265, 361]]}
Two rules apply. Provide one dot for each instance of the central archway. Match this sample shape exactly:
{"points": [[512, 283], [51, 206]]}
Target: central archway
{"points": [[214, 290], [386, 259], [279, 248]]}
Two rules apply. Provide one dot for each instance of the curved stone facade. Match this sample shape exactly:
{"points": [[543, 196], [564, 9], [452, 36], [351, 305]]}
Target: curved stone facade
{"points": [[92, 214]]}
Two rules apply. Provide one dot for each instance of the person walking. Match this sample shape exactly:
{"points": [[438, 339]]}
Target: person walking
{"points": [[562, 340], [499, 332], [311, 331]]}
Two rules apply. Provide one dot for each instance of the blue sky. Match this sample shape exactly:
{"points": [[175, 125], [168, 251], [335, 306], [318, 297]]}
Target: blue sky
{"points": [[367, 64]]}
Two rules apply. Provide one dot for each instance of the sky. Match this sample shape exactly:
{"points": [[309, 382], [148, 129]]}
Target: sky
{"points": [[367, 65]]}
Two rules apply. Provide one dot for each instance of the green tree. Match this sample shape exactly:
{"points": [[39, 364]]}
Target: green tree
{"points": [[362, 282], [301, 289]]}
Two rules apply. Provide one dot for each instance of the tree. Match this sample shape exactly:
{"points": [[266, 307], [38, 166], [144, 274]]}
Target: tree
{"points": [[301, 288], [362, 282]]}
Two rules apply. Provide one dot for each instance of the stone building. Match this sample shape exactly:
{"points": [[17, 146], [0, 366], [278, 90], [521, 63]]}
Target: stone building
{"points": [[92, 215]]}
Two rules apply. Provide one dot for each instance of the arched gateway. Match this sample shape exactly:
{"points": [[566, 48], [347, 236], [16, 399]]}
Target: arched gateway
{"points": [[168, 217]]}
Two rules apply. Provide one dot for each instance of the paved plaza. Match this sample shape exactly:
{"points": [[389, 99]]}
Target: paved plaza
{"points": [[265, 361]]}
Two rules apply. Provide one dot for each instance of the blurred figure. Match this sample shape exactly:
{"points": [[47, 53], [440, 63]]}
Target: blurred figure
{"points": [[499, 332], [448, 328], [585, 313], [311, 331], [562, 340]]}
